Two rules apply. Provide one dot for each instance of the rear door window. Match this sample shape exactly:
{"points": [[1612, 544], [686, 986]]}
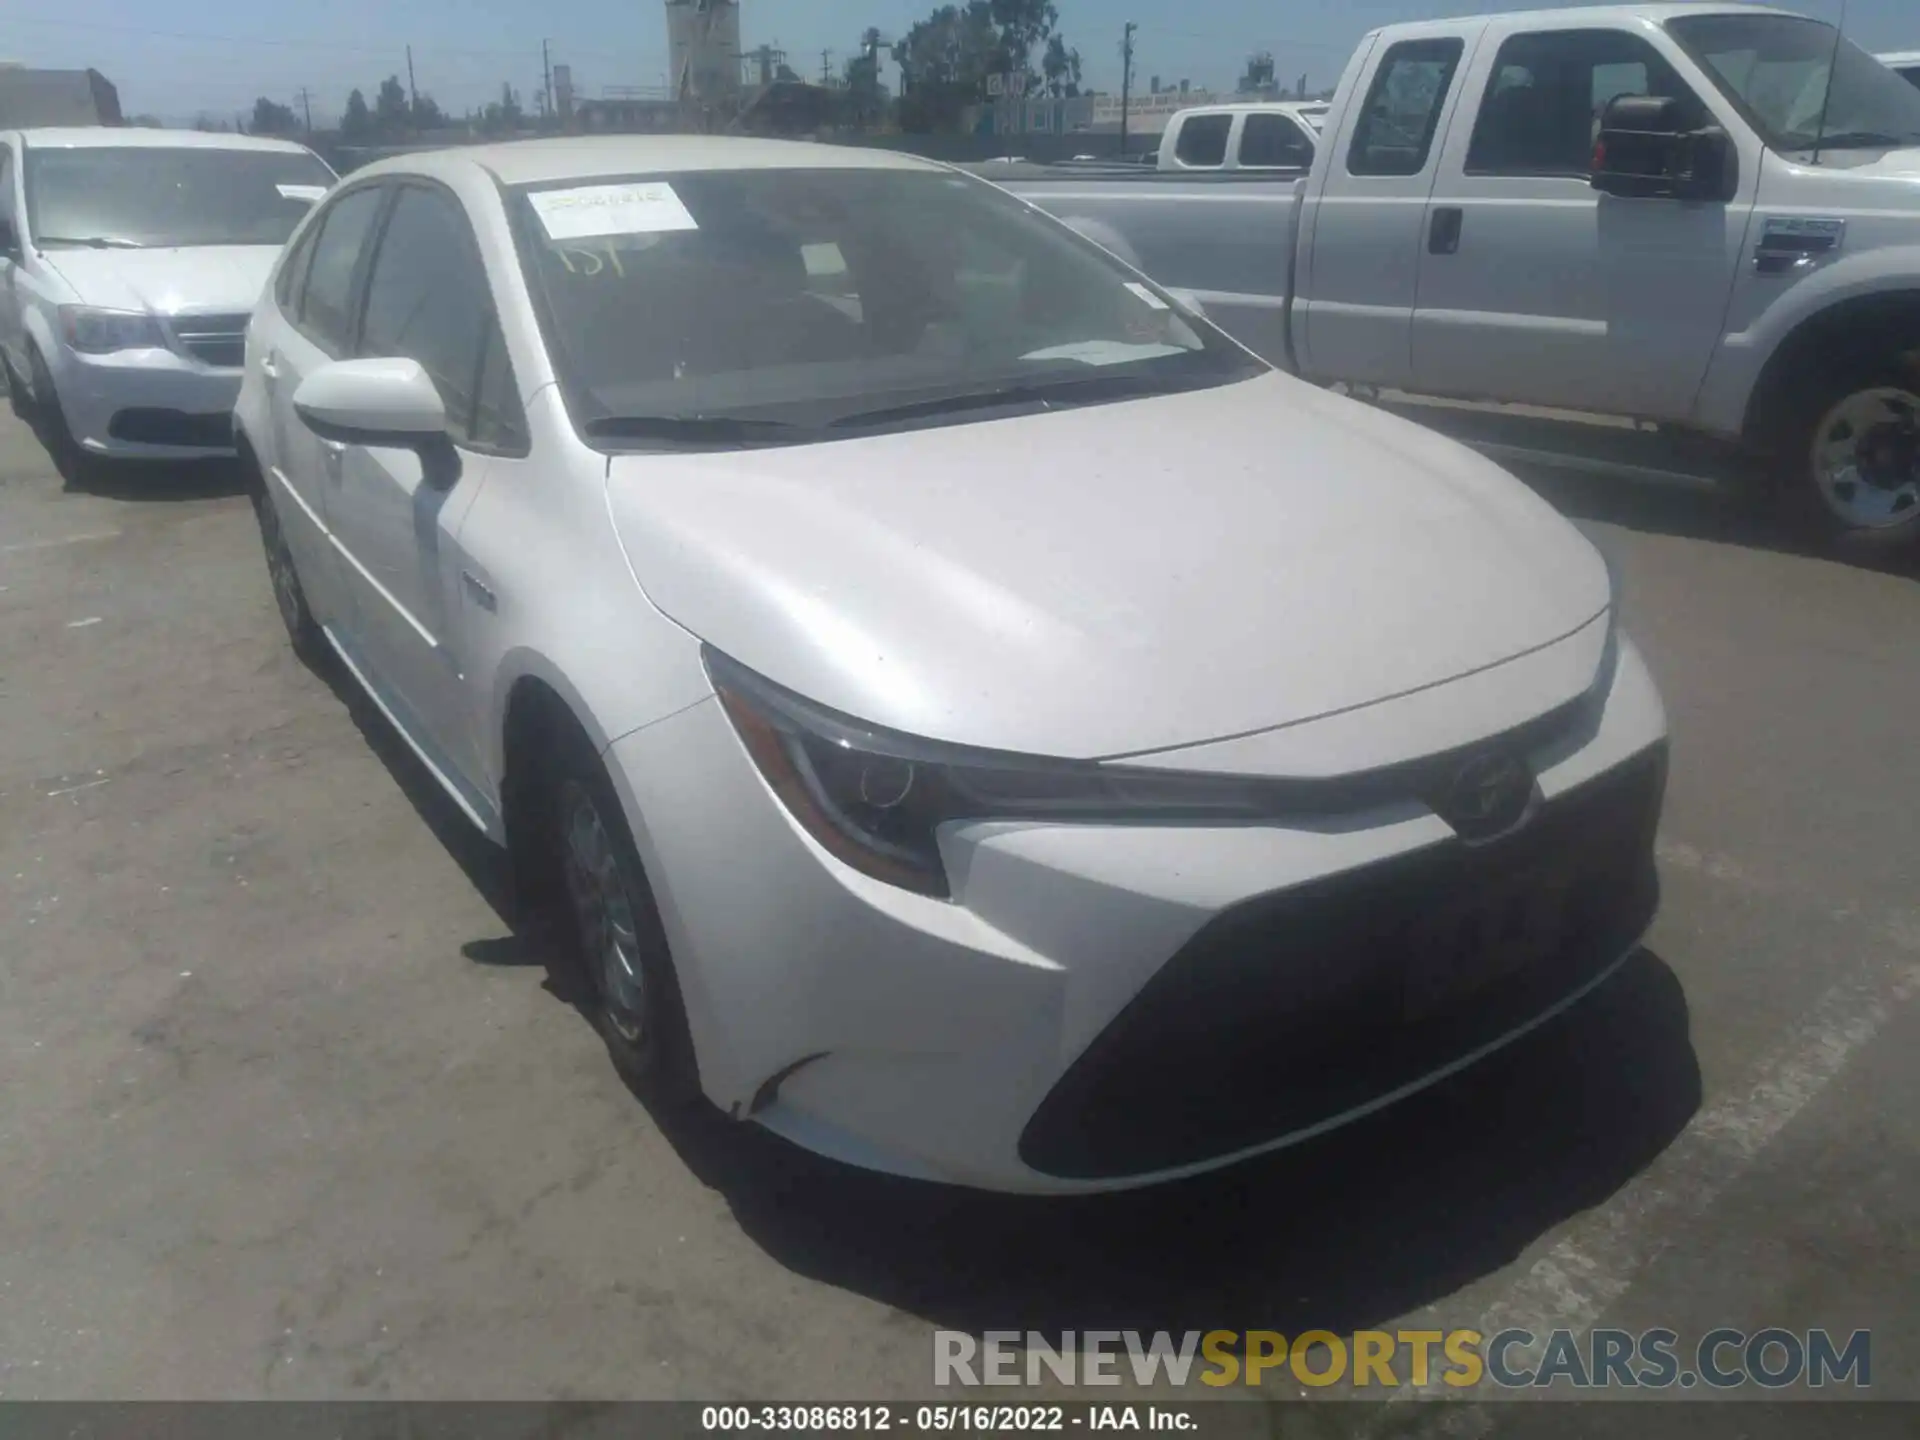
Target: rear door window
{"points": [[1202, 141]]}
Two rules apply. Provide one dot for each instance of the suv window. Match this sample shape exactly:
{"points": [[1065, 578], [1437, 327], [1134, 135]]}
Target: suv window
{"points": [[427, 299], [326, 304], [1402, 113], [1541, 114], [1202, 141], [1274, 142]]}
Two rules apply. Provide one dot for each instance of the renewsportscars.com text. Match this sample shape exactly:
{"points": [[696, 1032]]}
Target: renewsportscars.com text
{"points": [[1600, 1359]]}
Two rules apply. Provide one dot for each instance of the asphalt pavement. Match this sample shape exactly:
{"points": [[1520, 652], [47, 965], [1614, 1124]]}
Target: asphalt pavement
{"points": [[288, 1111]]}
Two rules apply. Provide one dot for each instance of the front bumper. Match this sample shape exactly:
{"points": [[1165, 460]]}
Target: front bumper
{"points": [[1108, 1006], [146, 404]]}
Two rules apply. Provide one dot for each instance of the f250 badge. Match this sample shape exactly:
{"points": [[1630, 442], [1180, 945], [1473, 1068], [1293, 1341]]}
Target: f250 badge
{"points": [[1790, 243]]}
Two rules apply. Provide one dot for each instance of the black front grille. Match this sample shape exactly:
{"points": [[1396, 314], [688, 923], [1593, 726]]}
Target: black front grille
{"points": [[1296, 1007], [144, 426], [219, 340]]}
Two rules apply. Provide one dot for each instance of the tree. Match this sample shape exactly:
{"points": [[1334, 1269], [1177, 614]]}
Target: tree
{"points": [[146, 122], [391, 113], [272, 118], [356, 122], [945, 59], [211, 124], [427, 114], [502, 116], [1061, 66]]}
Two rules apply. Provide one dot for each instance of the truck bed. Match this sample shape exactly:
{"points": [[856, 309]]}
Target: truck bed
{"points": [[1226, 238]]}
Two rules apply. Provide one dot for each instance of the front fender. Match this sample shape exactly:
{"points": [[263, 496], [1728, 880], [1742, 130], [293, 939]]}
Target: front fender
{"points": [[1741, 364]]}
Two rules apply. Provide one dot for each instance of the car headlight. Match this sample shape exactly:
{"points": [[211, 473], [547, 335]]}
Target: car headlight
{"points": [[101, 332], [876, 799]]}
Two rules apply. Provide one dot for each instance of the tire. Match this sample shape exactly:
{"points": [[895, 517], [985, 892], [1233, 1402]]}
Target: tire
{"points": [[611, 928], [289, 596], [49, 421], [1849, 456], [17, 397]]}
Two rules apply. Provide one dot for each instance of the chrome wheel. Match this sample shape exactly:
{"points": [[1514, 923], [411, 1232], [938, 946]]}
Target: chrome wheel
{"points": [[603, 911], [1866, 458]]}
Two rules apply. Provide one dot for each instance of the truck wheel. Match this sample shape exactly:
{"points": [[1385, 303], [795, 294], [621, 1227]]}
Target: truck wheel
{"points": [[1851, 459]]}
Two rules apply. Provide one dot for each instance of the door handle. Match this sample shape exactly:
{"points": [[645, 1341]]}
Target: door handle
{"points": [[270, 366], [1443, 233]]}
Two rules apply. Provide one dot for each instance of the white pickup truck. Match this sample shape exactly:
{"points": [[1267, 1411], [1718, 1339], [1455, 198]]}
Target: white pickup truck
{"points": [[1703, 216]]}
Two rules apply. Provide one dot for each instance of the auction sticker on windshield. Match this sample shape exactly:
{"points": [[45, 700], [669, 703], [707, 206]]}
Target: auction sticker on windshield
{"points": [[308, 193], [596, 210]]}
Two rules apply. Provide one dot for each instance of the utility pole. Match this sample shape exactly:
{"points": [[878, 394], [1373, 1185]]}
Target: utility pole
{"points": [[413, 95], [1126, 81], [306, 108], [546, 66], [826, 67]]}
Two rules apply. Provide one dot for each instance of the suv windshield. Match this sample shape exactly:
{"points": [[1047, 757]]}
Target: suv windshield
{"points": [[156, 196], [1775, 69], [727, 307]]}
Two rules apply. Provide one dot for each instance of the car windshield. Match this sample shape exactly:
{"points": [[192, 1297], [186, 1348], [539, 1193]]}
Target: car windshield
{"points": [[155, 196], [727, 307], [1775, 68]]}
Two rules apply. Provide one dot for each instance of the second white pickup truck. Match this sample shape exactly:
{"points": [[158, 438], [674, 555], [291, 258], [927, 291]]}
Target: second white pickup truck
{"points": [[1702, 216]]}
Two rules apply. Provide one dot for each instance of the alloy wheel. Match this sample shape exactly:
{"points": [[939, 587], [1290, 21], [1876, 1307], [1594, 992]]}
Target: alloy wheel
{"points": [[604, 914]]}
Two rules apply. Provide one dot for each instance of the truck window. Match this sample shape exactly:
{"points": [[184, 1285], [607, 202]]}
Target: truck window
{"points": [[1541, 113], [1397, 124], [1273, 142], [1202, 141]]}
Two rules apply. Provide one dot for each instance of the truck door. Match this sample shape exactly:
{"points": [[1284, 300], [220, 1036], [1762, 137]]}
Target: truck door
{"points": [[1360, 237], [1537, 289]]}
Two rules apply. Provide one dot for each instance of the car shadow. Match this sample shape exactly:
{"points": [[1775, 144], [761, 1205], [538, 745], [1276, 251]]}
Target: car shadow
{"points": [[1342, 1232]]}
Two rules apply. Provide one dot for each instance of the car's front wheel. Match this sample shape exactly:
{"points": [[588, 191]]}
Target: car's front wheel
{"points": [[615, 933], [49, 421]]}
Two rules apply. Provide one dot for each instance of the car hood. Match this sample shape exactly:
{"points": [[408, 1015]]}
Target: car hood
{"points": [[196, 280], [1113, 579]]}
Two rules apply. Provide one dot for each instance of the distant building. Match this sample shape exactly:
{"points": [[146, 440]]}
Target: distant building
{"points": [[1148, 114], [56, 97], [703, 45]]}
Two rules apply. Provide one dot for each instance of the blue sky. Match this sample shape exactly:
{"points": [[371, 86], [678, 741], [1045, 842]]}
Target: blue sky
{"points": [[177, 57]]}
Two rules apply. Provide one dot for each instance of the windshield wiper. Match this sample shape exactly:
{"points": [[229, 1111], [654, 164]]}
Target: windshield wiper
{"points": [[95, 242], [723, 430], [1071, 390]]}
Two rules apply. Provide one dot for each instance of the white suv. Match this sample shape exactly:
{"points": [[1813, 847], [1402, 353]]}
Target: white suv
{"points": [[130, 261]]}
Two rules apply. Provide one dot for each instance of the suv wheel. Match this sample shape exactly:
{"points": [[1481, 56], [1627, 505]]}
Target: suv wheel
{"points": [[1852, 457], [288, 595]]}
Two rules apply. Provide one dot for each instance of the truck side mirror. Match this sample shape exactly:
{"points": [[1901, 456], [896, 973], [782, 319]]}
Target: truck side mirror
{"points": [[1645, 151]]}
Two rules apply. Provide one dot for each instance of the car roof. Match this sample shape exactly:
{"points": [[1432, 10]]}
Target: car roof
{"points": [[584, 157], [127, 137], [1588, 14], [1900, 57]]}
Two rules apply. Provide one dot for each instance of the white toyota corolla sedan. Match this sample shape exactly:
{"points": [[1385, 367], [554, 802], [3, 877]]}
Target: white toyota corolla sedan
{"points": [[974, 719]]}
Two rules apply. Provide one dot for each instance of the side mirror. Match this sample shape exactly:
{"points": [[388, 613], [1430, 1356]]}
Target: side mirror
{"points": [[381, 402], [1644, 152]]}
